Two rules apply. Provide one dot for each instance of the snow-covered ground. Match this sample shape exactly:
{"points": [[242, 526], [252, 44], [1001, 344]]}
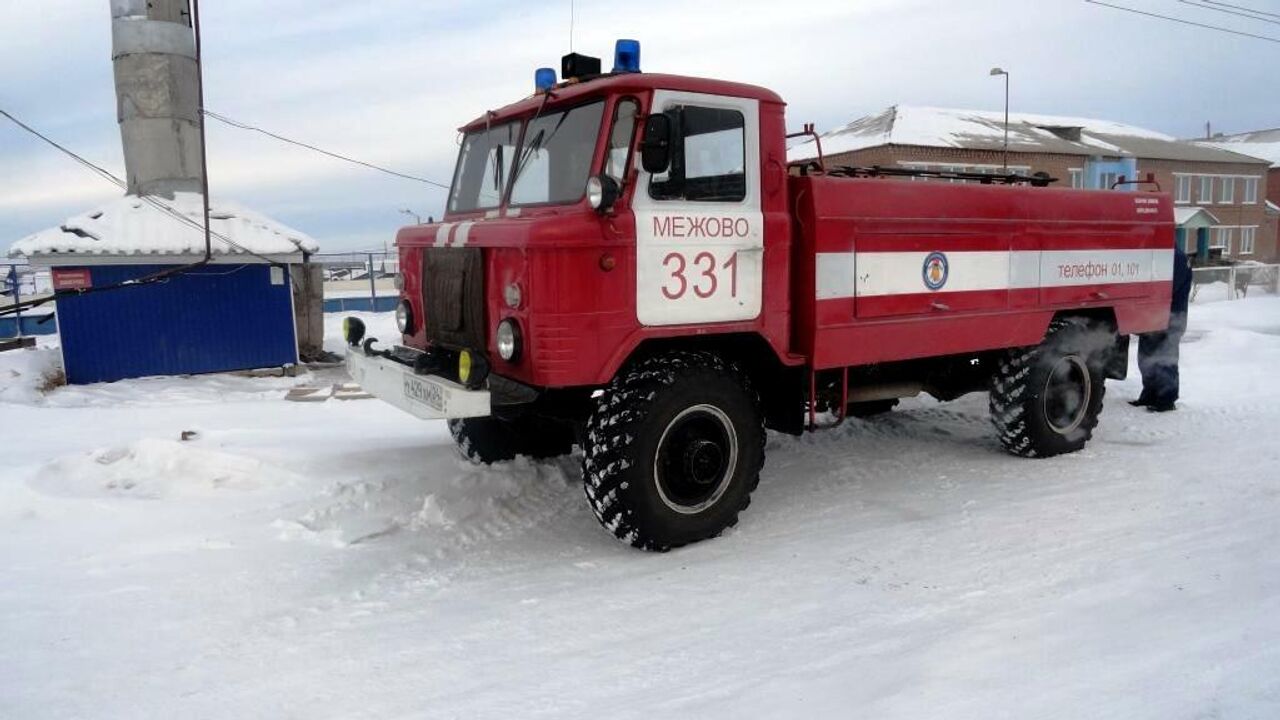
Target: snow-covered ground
{"points": [[337, 560]]}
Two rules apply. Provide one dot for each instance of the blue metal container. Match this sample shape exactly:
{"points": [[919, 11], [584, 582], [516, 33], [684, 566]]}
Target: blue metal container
{"points": [[210, 319]]}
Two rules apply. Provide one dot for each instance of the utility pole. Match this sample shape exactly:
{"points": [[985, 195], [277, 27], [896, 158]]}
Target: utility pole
{"points": [[153, 54], [999, 71]]}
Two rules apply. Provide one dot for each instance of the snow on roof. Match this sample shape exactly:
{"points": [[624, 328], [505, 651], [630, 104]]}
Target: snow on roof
{"points": [[130, 226], [1182, 214], [1263, 144], [984, 130]]}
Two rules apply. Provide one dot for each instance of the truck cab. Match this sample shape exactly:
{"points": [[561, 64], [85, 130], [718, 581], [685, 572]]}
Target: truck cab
{"points": [[556, 235]]}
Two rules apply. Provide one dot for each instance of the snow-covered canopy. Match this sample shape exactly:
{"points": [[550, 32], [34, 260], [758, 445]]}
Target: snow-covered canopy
{"points": [[1185, 214], [984, 130], [1263, 144], [131, 226]]}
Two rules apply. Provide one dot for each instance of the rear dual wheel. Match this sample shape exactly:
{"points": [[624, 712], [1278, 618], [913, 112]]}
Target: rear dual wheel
{"points": [[1045, 400]]}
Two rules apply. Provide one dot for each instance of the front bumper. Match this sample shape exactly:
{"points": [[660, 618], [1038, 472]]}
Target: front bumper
{"points": [[429, 397]]}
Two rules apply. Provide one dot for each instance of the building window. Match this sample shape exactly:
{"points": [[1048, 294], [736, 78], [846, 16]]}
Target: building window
{"points": [[1250, 191], [1206, 189], [907, 165], [1228, 191], [1192, 244], [1222, 239], [1182, 186], [1246, 239], [1077, 177], [1107, 179]]}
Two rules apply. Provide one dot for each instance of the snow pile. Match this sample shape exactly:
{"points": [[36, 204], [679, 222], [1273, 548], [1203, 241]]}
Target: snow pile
{"points": [[150, 468], [176, 390], [131, 226], [457, 503], [984, 130], [26, 375], [1262, 144]]}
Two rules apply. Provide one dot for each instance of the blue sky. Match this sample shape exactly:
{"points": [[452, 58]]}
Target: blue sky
{"points": [[389, 81]]}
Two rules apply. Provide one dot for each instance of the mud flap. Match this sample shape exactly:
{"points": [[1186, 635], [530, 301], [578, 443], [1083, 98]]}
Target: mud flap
{"points": [[1117, 367]]}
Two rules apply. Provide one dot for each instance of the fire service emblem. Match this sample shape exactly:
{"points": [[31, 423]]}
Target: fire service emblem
{"points": [[935, 271]]}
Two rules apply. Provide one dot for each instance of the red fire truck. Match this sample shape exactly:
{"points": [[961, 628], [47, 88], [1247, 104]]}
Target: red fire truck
{"points": [[628, 263]]}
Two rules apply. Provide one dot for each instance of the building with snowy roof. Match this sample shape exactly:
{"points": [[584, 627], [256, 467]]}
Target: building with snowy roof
{"points": [[1265, 145], [1224, 182], [234, 312]]}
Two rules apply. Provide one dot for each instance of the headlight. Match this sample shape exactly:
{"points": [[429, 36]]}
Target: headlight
{"points": [[508, 340], [464, 367], [352, 330], [404, 317], [472, 369], [595, 192], [513, 295]]}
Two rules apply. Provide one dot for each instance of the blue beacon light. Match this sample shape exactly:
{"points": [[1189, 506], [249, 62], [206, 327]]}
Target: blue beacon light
{"points": [[626, 56], [544, 79]]}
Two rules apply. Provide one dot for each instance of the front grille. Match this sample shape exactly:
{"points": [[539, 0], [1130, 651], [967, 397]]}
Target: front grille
{"points": [[453, 297]]}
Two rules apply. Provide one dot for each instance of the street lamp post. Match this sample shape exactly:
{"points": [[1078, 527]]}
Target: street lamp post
{"points": [[417, 219], [1000, 71]]}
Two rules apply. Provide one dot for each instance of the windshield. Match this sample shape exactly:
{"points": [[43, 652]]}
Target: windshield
{"points": [[556, 157], [483, 163], [550, 168]]}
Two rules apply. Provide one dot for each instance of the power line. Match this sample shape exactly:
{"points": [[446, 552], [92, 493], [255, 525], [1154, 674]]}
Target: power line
{"points": [[1229, 12], [245, 126], [101, 172], [1241, 7], [118, 182], [1183, 21]]}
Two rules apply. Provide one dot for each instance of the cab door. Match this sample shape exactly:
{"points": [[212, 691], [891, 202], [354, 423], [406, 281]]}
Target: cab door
{"points": [[699, 225]]}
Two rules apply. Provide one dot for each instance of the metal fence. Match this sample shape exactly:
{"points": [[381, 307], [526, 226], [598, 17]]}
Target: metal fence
{"points": [[20, 282], [1233, 282], [359, 281]]}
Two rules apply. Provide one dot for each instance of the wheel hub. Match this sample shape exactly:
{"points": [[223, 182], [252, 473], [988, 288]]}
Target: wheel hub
{"points": [[703, 461], [1067, 393], [695, 459]]}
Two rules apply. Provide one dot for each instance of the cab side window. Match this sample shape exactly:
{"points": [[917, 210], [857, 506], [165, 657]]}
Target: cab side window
{"points": [[708, 159], [621, 139]]}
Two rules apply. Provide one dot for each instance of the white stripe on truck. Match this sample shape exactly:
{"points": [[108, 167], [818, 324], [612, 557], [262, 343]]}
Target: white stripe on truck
{"points": [[873, 274]]}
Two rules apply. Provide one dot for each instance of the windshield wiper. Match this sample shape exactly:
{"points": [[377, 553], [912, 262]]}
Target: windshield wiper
{"points": [[497, 170]]}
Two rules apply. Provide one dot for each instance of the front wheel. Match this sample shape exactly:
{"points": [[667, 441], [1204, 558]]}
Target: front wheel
{"points": [[484, 440], [1045, 400], [674, 449]]}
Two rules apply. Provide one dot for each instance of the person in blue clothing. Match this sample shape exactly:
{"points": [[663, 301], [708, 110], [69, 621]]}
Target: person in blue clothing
{"points": [[1158, 351]]}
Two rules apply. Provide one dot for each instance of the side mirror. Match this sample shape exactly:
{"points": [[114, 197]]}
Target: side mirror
{"points": [[655, 146]]}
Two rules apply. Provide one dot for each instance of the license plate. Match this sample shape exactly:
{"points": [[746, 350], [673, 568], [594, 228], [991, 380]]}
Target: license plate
{"points": [[425, 392]]}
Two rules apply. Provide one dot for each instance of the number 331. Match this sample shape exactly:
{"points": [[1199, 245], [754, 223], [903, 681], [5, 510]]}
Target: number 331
{"points": [[703, 270]]}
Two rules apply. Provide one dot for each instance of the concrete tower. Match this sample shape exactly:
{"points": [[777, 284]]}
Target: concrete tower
{"points": [[154, 58]]}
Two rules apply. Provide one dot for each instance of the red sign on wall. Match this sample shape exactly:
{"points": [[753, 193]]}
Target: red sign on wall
{"points": [[71, 279]]}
